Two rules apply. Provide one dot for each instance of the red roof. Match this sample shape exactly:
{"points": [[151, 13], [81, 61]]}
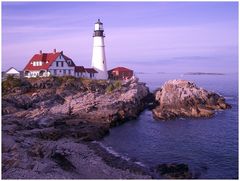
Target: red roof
{"points": [[120, 69], [90, 70], [47, 60], [79, 69]]}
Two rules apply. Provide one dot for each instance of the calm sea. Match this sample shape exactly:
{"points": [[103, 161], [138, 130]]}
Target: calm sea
{"points": [[208, 145]]}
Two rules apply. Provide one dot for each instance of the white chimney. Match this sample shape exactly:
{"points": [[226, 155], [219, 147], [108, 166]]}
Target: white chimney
{"points": [[54, 50], [40, 52]]}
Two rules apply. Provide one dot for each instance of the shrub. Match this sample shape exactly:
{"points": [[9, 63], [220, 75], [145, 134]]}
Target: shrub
{"points": [[110, 88], [117, 84], [10, 83], [86, 81]]}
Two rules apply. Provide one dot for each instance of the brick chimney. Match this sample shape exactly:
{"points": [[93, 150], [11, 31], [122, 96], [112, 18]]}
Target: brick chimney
{"points": [[40, 52], [54, 50]]}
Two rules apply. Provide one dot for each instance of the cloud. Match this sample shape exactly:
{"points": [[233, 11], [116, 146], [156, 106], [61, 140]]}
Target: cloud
{"points": [[35, 29], [133, 46]]}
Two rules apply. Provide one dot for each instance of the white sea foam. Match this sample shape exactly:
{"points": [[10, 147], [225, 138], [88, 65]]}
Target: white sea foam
{"points": [[229, 98], [108, 149], [113, 152], [140, 163]]}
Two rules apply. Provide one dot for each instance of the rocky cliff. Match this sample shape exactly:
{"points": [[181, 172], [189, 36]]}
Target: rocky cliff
{"points": [[47, 124], [181, 98], [91, 100], [46, 121]]}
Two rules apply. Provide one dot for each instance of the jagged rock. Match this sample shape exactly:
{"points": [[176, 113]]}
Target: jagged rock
{"points": [[63, 162], [174, 171], [42, 167], [181, 98], [8, 108], [10, 153], [36, 151], [19, 101]]}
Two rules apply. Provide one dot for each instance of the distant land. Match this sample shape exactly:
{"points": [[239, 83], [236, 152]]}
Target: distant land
{"points": [[188, 73], [203, 73], [150, 72], [161, 72]]}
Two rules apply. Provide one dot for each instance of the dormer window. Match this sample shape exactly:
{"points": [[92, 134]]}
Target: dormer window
{"points": [[37, 63]]}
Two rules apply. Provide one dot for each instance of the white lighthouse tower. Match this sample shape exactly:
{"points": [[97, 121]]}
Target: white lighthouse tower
{"points": [[99, 58]]}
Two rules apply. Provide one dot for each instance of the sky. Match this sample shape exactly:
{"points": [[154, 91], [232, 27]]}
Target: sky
{"points": [[144, 36]]}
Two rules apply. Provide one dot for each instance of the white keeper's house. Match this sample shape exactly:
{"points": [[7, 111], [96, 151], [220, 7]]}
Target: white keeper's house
{"points": [[55, 64]]}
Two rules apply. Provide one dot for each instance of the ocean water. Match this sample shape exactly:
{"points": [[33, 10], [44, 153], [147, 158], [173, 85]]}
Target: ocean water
{"points": [[208, 145]]}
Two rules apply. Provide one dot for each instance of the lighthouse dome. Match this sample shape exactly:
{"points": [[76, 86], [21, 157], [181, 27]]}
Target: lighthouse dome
{"points": [[98, 26], [99, 22]]}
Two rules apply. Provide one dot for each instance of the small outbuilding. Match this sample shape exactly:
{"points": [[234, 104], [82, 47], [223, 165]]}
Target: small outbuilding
{"points": [[80, 71], [11, 72], [120, 73], [91, 73]]}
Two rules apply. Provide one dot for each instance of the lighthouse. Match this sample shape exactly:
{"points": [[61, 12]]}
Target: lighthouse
{"points": [[98, 57]]}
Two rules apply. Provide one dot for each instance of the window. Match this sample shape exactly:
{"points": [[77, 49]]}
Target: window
{"points": [[57, 63], [37, 63], [62, 64], [55, 72], [64, 72], [69, 72]]}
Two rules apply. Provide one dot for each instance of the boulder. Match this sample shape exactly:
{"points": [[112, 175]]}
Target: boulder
{"points": [[174, 171], [181, 98]]}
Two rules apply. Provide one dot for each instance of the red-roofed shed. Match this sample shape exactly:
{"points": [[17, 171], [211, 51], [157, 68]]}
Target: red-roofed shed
{"points": [[121, 73]]}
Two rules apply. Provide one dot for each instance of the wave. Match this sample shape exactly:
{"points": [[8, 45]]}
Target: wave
{"points": [[113, 152], [229, 98]]}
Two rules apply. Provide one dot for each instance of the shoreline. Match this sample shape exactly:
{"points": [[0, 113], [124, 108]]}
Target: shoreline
{"points": [[73, 159], [116, 160], [52, 123]]}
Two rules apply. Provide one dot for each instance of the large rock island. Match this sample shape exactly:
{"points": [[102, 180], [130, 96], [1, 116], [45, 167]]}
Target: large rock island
{"points": [[181, 98]]}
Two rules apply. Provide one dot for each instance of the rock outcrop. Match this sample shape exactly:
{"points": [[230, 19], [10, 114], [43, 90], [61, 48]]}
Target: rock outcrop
{"points": [[181, 98], [47, 123], [174, 171], [86, 99]]}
